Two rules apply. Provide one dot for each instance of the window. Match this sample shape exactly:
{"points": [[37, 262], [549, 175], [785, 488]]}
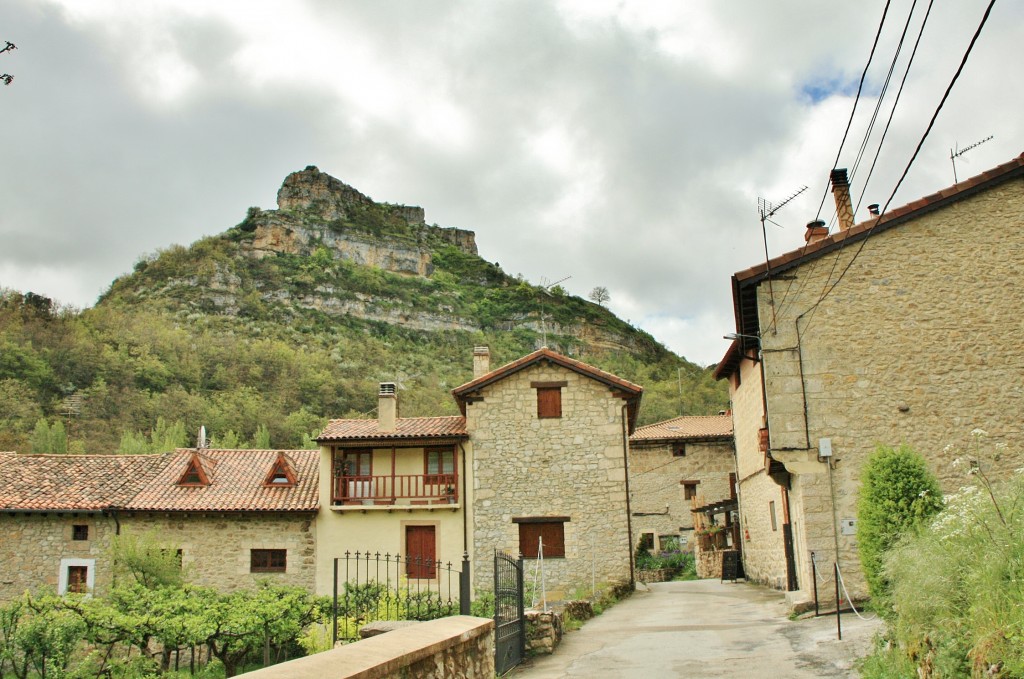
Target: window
{"points": [[438, 462], [549, 398], [194, 474], [281, 474], [679, 450], [79, 531], [78, 576], [647, 541], [689, 489], [268, 560], [542, 535]]}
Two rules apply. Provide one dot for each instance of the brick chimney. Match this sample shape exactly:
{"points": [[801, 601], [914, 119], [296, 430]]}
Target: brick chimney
{"points": [[841, 192], [387, 407], [481, 361], [815, 231]]}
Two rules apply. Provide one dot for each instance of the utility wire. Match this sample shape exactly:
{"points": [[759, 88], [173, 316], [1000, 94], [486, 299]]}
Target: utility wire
{"points": [[860, 87], [931, 123]]}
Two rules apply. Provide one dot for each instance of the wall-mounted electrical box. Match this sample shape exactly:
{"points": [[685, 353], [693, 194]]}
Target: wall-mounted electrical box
{"points": [[824, 447], [848, 526]]}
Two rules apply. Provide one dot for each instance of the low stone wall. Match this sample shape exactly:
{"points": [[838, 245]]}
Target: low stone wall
{"points": [[655, 575], [543, 632], [459, 647]]}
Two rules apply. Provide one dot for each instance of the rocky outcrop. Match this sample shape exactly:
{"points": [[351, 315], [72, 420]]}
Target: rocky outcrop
{"points": [[315, 209]]}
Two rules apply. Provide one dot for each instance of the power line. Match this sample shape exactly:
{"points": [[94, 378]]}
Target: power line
{"points": [[917, 150]]}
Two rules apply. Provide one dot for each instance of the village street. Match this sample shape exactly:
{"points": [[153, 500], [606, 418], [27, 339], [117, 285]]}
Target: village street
{"points": [[705, 628]]}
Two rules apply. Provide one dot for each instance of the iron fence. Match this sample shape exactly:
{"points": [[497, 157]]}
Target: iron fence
{"points": [[372, 586]]}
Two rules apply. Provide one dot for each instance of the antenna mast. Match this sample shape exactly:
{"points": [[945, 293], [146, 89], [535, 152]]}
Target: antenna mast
{"points": [[546, 289], [767, 210], [954, 154]]}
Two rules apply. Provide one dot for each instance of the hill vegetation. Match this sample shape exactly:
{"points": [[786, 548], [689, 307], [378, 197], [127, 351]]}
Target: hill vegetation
{"points": [[292, 317]]}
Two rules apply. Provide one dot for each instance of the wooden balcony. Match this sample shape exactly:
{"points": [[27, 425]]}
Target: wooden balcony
{"points": [[396, 489]]}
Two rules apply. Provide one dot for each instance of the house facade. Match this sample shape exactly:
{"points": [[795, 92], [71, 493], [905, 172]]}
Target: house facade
{"points": [[233, 516], [677, 466], [902, 329], [536, 464]]}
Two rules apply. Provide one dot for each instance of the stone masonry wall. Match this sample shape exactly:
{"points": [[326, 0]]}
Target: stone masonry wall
{"points": [[32, 546], [570, 466], [919, 344], [655, 477], [215, 547]]}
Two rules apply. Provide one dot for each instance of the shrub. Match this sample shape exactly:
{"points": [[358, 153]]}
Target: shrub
{"points": [[897, 494]]}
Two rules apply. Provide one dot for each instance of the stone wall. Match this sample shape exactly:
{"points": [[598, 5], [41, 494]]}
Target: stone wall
{"points": [[658, 499], [215, 547], [459, 647], [919, 344], [570, 466], [33, 545], [544, 631]]}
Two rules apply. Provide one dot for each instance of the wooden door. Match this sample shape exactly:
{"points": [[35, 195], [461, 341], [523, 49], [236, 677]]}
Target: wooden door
{"points": [[420, 553], [78, 577]]}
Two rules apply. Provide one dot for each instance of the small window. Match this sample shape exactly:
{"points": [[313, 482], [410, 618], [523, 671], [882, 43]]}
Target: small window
{"points": [[679, 450], [194, 474], [78, 579], [268, 560], [542, 537], [689, 489], [80, 531], [549, 402], [647, 541], [281, 474]]}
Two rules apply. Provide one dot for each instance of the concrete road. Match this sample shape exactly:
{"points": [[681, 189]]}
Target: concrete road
{"points": [[705, 628]]}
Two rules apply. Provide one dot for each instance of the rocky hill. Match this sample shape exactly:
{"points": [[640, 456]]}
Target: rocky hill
{"points": [[294, 315]]}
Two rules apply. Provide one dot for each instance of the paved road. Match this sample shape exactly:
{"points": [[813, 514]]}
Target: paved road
{"points": [[705, 628]]}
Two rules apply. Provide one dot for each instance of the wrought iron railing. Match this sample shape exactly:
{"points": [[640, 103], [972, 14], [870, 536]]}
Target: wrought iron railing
{"points": [[408, 488], [374, 586]]}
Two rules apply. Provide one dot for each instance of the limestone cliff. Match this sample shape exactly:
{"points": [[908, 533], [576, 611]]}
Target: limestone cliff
{"points": [[317, 210]]}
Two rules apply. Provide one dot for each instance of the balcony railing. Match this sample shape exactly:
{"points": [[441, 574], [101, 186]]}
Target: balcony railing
{"points": [[406, 489]]}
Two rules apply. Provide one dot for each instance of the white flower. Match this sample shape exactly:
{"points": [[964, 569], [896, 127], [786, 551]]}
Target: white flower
{"points": [[978, 433]]}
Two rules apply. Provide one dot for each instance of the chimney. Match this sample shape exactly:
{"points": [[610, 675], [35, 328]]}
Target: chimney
{"points": [[815, 231], [387, 407], [481, 361], [841, 192]]}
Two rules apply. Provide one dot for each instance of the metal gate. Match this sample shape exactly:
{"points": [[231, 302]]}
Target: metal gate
{"points": [[509, 620]]}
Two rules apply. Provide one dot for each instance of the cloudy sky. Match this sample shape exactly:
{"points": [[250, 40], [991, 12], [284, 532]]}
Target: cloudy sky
{"points": [[624, 144]]}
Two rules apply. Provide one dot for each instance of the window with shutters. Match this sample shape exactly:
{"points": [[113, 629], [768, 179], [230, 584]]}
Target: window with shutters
{"points": [[549, 398], [439, 465], [78, 577], [689, 489], [542, 535]]}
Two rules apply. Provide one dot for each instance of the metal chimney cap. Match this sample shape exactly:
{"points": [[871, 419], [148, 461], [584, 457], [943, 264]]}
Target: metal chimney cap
{"points": [[387, 388]]}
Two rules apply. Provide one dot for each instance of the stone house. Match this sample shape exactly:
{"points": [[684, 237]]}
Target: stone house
{"points": [[676, 466], [536, 464], [901, 329], [234, 516]]}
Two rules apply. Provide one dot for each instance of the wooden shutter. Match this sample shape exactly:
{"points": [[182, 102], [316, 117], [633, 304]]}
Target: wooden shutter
{"points": [[551, 532], [420, 553], [549, 402]]}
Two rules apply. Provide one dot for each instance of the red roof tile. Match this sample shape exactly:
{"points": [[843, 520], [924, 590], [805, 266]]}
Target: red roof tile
{"points": [[699, 427], [74, 482], [451, 426], [236, 483]]}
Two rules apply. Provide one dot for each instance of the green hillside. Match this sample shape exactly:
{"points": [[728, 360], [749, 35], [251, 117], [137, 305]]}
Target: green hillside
{"points": [[263, 332]]}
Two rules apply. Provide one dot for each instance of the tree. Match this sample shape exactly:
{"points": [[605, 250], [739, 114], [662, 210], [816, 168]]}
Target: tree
{"points": [[599, 295], [49, 439], [897, 494]]}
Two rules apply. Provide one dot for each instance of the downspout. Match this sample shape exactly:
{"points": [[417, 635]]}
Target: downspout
{"points": [[117, 523], [629, 517], [465, 502]]}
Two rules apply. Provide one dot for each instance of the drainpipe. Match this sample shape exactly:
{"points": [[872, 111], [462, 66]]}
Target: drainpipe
{"points": [[629, 518], [465, 502]]}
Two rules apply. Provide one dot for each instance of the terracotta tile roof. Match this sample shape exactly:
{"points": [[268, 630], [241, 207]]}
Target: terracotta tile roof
{"points": [[74, 482], [699, 427], [543, 354], [890, 219], [451, 426], [236, 483]]}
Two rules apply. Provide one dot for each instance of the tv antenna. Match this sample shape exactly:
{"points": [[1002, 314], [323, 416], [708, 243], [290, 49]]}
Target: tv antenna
{"points": [[766, 210], [546, 289], [954, 153]]}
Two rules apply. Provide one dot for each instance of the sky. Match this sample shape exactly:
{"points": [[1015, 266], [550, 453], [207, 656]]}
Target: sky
{"points": [[620, 144]]}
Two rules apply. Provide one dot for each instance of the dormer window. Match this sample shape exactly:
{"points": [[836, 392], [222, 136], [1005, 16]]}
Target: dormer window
{"points": [[281, 474], [195, 475]]}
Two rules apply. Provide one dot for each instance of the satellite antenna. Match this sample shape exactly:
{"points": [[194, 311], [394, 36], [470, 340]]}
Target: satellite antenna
{"points": [[546, 288], [767, 210], [954, 154]]}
